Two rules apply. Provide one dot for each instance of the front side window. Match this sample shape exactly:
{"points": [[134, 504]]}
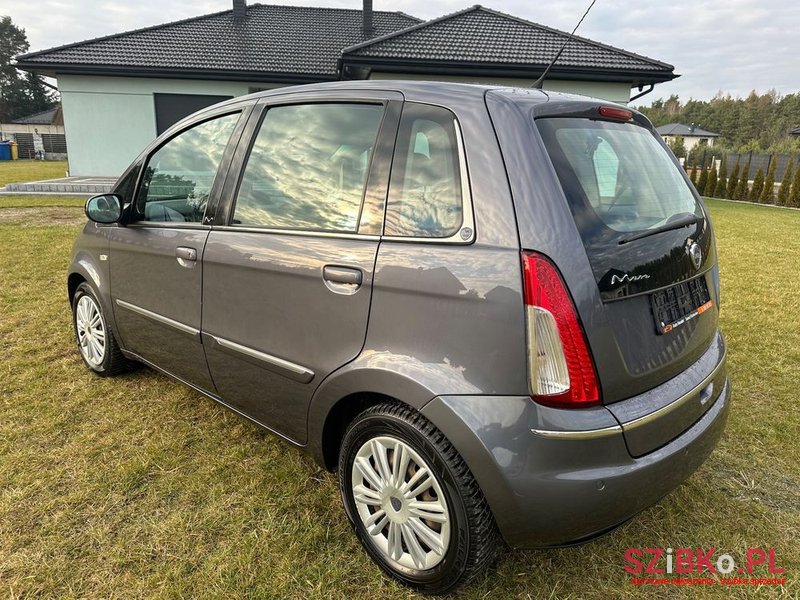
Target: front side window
{"points": [[178, 177], [308, 168], [425, 198]]}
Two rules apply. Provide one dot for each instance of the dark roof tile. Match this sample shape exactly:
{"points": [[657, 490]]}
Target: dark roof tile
{"points": [[272, 39], [482, 35], [684, 130]]}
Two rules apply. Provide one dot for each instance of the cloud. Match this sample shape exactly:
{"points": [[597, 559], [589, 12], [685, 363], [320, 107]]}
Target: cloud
{"points": [[717, 45]]}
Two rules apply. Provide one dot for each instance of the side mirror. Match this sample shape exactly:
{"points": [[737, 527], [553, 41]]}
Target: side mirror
{"points": [[106, 208]]}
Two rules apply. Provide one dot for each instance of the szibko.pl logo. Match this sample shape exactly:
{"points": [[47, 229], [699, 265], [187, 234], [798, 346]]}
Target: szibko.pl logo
{"points": [[704, 567]]}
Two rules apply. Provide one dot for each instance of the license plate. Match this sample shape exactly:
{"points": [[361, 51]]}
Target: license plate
{"points": [[680, 303]]}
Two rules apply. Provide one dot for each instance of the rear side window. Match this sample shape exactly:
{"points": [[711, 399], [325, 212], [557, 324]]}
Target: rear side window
{"points": [[308, 168], [425, 188], [616, 176], [178, 177]]}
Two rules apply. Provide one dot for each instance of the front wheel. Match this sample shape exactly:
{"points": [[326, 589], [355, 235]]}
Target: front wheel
{"points": [[413, 502], [98, 347]]}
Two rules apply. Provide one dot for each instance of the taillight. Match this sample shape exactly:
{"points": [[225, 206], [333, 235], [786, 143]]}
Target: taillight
{"points": [[559, 363], [612, 112]]}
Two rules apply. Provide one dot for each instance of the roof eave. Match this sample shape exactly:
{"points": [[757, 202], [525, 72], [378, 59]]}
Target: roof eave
{"points": [[56, 69], [416, 66]]}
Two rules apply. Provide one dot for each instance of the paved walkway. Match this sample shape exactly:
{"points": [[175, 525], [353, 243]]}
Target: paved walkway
{"points": [[64, 185]]}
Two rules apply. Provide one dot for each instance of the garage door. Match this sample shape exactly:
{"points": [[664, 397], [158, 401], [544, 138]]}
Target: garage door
{"points": [[171, 108]]}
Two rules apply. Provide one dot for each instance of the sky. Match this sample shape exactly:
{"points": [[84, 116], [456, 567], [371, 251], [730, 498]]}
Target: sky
{"points": [[728, 46]]}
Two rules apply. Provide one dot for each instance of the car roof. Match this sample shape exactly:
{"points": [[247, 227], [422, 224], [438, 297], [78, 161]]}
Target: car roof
{"points": [[541, 102]]}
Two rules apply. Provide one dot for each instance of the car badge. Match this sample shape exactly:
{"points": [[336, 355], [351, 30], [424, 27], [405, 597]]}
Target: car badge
{"points": [[695, 253]]}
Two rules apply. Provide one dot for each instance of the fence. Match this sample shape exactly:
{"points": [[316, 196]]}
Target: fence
{"points": [[757, 161]]}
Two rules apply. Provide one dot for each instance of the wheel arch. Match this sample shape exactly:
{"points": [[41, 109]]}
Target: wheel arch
{"points": [[348, 392]]}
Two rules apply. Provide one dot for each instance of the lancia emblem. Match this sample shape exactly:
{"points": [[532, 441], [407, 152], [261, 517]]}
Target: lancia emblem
{"points": [[696, 254]]}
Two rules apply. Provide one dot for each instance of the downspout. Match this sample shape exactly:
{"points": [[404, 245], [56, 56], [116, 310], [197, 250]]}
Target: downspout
{"points": [[643, 93]]}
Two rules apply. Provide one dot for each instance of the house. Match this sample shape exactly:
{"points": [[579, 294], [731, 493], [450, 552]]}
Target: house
{"points": [[38, 135], [120, 91], [691, 134]]}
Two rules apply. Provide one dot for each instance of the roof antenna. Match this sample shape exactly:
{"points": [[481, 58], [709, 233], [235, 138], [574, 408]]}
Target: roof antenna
{"points": [[540, 82]]}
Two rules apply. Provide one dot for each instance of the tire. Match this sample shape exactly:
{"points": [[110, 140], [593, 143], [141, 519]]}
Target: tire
{"points": [[464, 541], [100, 351]]}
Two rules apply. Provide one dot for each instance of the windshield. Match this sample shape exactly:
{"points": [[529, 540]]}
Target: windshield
{"points": [[617, 177]]}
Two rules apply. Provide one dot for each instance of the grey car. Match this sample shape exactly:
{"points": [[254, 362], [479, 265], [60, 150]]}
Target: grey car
{"points": [[494, 311]]}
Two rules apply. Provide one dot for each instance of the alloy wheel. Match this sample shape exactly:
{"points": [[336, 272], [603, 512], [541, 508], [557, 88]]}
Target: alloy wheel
{"points": [[90, 330]]}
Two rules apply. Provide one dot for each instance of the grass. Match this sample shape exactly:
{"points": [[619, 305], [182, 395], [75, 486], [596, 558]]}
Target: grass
{"points": [[26, 201], [16, 171], [139, 487]]}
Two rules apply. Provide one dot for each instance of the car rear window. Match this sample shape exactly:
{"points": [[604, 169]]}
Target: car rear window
{"points": [[617, 177]]}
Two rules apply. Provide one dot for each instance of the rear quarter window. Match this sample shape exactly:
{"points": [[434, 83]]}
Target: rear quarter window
{"points": [[425, 193]]}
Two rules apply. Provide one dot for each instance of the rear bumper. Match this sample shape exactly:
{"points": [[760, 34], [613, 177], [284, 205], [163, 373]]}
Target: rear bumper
{"points": [[547, 490]]}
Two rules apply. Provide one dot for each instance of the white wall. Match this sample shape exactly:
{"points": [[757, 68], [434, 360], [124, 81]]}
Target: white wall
{"points": [[109, 120], [615, 92]]}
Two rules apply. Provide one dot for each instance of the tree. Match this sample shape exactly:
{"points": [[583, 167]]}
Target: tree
{"points": [[722, 180], [733, 181], [786, 184], [758, 186], [758, 122], [768, 193], [794, 195], [20, 94], [702, 180], [678, 147], [711, 184], [742, 189]]}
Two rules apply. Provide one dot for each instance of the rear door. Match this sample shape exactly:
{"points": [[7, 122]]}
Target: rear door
{"points": [[628, 199], [601, 196], [155, 259], [288, 266]]}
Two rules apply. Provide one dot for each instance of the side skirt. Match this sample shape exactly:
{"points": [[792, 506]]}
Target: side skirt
{"points": [[211, 396]]}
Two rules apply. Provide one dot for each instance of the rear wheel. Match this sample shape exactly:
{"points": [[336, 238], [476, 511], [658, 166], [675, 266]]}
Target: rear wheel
{"points": [[96, 343], [413, 502]]}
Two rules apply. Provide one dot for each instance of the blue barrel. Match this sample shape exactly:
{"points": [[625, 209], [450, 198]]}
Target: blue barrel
{"points": [[5, 150]]}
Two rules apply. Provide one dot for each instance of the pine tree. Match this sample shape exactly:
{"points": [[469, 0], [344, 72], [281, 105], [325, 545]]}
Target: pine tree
{"points": [[794, 196], [768, 193], [786, 184], [733, 181], [722, 179], [702, 180], [711, 183], [693, 176], [758, 186], [742, 189]]}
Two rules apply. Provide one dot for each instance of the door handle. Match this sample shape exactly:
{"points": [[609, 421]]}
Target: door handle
{"points": [[342, 275], [342, 280], [186, 253], [186, 256]]}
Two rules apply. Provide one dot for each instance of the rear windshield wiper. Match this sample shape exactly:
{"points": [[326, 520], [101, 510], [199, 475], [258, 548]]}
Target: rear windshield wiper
{"points": [[683, 221]]}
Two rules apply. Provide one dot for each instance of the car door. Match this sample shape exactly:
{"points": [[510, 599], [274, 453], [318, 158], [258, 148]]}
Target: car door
{"points": [[288, 265], [155, 258]]}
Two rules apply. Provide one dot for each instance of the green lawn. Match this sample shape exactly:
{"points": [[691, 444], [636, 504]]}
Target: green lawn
{"points": [[140, 487], [16, 171]]}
